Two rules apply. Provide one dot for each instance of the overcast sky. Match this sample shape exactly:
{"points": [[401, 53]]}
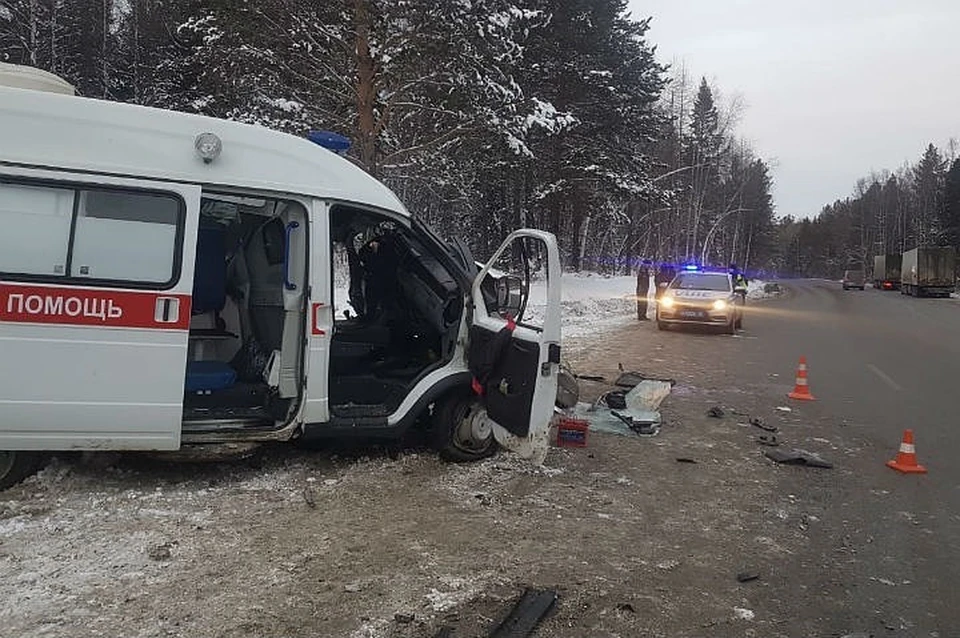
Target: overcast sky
{"points": [[832, 88]]}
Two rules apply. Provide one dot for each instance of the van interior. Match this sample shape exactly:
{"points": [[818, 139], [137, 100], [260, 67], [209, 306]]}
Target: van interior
{"points": [[397, 313], [246, 329]]}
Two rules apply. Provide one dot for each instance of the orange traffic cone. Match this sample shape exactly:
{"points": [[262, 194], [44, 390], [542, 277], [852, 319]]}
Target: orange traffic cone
{"points": [[906, 460], [801, 390]]}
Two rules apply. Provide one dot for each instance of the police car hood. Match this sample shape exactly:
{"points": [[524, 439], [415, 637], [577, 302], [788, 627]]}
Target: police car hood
{"points": [[700, 295]]}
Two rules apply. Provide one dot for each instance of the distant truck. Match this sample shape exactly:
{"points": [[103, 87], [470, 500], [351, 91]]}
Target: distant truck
{"points": [[928, 270], [886, 272]]}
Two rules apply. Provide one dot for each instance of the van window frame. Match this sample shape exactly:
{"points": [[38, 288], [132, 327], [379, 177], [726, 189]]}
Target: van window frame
{"points": [[77, 186]]}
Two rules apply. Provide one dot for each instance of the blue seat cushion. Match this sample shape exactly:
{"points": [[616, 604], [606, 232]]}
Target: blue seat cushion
{"points": [[209, 375]]}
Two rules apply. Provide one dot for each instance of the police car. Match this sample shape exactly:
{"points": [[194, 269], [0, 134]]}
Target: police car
{"points": [[704, 297]]}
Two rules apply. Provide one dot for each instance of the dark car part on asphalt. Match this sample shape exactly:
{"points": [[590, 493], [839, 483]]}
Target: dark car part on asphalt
{"points": [[770, 440], [590, 377], [758, 422], [532, 607], [683, 459], [797, 457], [716, 412], [616, 399], [747, 576]]}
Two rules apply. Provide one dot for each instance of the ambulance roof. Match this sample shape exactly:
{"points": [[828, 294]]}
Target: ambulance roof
{"points": [[50, 130]]}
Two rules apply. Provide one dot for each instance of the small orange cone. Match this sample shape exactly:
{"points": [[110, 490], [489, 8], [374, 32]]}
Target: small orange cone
{"points": [[801, 390], [906, 460]]}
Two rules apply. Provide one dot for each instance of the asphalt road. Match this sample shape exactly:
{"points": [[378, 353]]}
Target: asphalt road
{"points": [[884, 550]]}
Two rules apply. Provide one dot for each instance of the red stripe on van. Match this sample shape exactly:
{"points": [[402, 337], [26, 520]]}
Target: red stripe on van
{"points": [[93, 307]]}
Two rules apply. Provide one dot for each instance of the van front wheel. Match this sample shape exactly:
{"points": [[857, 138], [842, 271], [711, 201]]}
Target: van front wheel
{"points": [[461, 430], [16, 466]]}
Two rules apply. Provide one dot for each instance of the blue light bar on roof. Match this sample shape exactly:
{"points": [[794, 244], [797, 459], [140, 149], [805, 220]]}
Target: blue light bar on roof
{"points": [[692, 267], [330, 140]]}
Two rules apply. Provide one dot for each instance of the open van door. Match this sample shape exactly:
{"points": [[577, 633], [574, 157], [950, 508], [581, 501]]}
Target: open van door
{"points": [[514, 351]]}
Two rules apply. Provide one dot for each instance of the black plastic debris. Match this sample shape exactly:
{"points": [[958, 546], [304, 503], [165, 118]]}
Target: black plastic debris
{"points": [[404, 619], [589, 377], [797, 457], [616, 399], [683, 459], [716, 412], [526, 614], [747, 576], [768, 439], [758, 422]]}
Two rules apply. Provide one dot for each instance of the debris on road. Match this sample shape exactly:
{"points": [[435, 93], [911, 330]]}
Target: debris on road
{"points": [[404, 619], [743, 614], [627, 413], [526, 614], [683, 459], [797, 457], [747, 576], [758, 422], [770, 440], [716, 412], [783, 408]]}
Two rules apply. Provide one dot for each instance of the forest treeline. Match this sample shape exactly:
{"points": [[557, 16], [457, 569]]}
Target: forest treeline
{"points": [[887, 213], [483, 116]]}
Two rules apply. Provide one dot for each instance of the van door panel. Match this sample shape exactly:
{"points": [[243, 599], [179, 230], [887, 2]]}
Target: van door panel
{"points": [[96, 365], [519, 363]]}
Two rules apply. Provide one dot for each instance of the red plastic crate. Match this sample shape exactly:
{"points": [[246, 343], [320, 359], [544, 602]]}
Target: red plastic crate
{"points": [[572, 432]]}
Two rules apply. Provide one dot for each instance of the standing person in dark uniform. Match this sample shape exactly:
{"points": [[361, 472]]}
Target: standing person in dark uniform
{"points": [[664, 276], [643, 289]]}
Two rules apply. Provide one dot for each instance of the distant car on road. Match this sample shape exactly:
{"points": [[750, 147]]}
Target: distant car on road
{"points": [[702, 297], [853, 279]]}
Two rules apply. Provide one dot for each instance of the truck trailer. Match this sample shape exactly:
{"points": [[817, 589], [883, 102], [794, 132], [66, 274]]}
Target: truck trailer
{"points": [[886, 272], [928, 271]]}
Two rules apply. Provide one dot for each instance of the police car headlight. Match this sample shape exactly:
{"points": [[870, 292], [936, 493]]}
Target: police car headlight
{"points": [[719, 304], [667, 301]]}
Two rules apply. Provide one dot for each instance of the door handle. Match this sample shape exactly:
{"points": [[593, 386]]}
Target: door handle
{"points": [[289, 285]]}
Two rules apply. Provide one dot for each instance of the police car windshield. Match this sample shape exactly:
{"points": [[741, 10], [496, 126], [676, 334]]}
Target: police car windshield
{"points": [[701, 281]]}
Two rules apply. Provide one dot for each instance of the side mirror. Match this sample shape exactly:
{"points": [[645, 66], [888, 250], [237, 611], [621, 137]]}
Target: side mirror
{"points": [[510, 296]]}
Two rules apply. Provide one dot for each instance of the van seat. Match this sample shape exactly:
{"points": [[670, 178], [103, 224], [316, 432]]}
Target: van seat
{"points": [[208, 376]]}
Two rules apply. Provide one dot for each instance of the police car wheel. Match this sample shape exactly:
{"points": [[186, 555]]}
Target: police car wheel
{"points": [[462, 432], [16, 466]]}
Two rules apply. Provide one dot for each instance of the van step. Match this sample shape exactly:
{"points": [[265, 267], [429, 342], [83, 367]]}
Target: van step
{"points": [[356, 410], [226, 414]]}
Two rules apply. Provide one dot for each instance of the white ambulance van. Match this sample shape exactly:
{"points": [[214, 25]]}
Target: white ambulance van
{"points": [[170, 279]]}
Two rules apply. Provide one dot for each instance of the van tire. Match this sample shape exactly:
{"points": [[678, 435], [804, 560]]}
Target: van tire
{"points": [[460, 433], [16, 466]]}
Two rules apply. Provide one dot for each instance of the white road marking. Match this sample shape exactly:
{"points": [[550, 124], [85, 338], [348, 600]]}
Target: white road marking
{"points": [[884, 377]]}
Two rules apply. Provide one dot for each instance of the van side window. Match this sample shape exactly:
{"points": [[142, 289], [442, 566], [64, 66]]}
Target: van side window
{"points": [[35, 223], [125, 236], [89, 235]]}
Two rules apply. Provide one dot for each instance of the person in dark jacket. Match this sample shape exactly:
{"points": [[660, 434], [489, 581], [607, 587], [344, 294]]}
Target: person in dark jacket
{"points": [[643, 289], [663, 278]]}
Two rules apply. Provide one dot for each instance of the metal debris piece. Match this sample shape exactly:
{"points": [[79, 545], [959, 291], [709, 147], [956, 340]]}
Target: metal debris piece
{"points": [[747, 576], [526, 614], [797, 457]]}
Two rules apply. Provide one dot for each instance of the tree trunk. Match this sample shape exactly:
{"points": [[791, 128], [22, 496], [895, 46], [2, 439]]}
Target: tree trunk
{"points": [[366, 88]]}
